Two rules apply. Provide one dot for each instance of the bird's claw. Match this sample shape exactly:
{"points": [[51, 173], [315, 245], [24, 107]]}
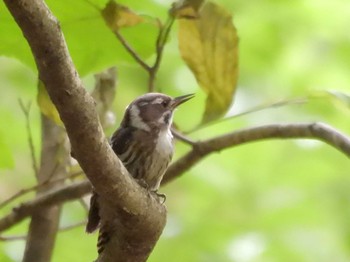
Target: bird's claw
{"points": [[160, 196]]}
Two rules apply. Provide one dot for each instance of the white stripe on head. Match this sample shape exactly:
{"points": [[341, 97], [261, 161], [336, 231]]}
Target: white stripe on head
{"points": [[159, 100], [143, 103], [135, 119]]}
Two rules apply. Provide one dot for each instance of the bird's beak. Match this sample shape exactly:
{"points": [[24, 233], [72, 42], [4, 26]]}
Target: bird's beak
{"points": [[179, 100]]}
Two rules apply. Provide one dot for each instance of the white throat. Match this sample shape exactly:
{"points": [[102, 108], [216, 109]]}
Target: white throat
{"points": [[165, 142]]}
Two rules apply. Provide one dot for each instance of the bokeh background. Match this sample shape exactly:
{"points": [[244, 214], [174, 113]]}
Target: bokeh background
{"points": [[262, 202]]}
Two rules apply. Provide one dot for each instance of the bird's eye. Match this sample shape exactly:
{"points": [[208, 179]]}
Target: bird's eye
{"points": [[164, 104]]}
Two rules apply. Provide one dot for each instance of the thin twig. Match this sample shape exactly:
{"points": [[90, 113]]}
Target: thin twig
{"points": [[258, 108], [182, 137], [24, 237], [53, 171], [29, 189], [55, 197], [160, 43], [162, 38], [132, 52], [13, 238], [26, 110]]}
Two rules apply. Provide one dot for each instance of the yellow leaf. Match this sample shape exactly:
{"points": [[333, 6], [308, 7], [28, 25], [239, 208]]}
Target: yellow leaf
{"points": [[209, 46], [117, 16], [46, 106], [186, 9]]}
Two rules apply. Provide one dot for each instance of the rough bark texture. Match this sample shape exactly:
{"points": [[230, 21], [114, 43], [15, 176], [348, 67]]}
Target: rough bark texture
{"points": [[140, 215], [44, 223]]}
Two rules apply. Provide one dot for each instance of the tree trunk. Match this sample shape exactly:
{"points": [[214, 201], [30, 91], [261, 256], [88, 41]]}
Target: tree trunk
{"points": [[44, 223]]}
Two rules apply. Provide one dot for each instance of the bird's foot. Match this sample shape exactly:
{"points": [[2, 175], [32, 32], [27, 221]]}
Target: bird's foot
{"points": [[161, 197]]}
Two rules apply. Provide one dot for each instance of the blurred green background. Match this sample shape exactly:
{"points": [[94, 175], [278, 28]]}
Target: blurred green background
{"points": [[263, 202]]}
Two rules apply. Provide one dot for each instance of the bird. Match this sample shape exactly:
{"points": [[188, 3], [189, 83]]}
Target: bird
{"points": [[144, 144]]}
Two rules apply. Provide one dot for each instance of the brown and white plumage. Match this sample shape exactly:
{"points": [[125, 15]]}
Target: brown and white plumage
{"points": [[143, 142]]}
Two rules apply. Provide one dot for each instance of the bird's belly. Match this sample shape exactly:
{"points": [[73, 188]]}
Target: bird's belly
{"points": [[160, 159], [158, 166]]}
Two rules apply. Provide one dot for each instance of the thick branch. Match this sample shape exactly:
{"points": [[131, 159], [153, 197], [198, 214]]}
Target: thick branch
{"points": [[318, 131], [77, 111], [75, 105]]}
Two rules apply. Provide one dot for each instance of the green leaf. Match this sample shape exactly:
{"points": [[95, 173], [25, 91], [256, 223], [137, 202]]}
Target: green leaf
{"points": [[209, 46], [91, 43], [12, 43]]}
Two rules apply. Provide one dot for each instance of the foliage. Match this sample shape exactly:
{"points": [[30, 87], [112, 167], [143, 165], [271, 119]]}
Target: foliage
{"points": [[209, 45], [290, 205]]}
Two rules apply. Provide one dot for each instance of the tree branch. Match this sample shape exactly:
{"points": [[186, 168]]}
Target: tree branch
{"points": [[163, 34], [136, 210], [12, 238], [38, 186], [55, 197], [201, 149], [318, 131], [142, 217], [160, 43], [24, 237], [75, 105], [131, 51]]}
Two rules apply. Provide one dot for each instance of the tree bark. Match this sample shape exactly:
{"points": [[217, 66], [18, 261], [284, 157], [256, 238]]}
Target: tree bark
{"points": [[137, 214], [44, 223]]}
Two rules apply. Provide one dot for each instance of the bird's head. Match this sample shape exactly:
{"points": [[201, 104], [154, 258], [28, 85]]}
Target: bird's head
{"points": [[152, 111]]}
